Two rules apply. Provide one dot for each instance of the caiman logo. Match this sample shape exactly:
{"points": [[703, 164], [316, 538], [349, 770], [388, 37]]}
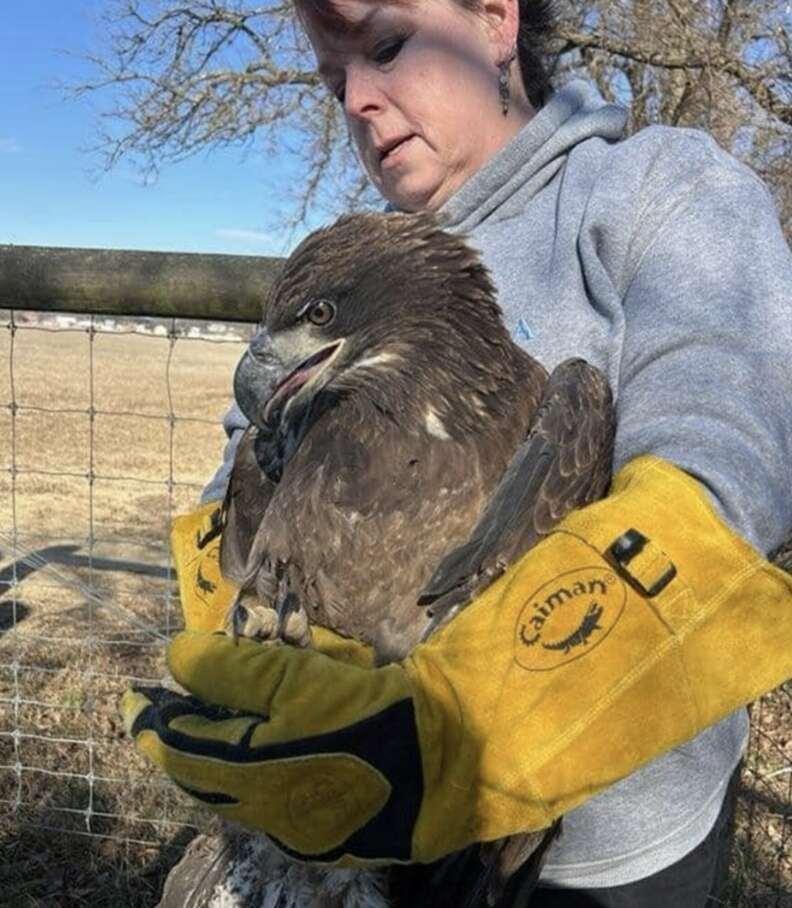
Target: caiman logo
{"points": [[568, 617], [205, 593], [207, 573]]}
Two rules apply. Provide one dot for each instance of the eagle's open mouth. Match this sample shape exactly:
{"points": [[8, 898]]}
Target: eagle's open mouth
{"points": [[298, 377]]}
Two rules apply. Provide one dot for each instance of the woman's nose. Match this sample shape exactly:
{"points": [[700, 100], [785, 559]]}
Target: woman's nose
{"points": [[362, 94]]}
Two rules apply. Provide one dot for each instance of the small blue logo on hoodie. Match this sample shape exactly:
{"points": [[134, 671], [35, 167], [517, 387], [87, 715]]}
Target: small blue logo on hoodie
{"points": [[525, 329]]}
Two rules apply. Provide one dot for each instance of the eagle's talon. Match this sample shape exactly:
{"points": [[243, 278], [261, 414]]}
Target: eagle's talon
{"points": [[258, 620], [284, 604], [296, 629], [253, 619], [239, 616]]}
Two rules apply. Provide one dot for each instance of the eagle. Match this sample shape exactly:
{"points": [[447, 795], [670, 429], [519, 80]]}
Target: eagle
{"points": [[402, 451]]}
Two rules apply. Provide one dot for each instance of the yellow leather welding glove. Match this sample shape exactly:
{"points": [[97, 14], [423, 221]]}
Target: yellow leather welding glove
{"points": [[640, 621], [205, 594]]}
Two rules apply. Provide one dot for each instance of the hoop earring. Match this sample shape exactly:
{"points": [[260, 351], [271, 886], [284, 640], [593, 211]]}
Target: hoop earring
{"points": [[504, 92]]}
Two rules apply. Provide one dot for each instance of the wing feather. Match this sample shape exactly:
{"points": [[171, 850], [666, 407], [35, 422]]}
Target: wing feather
{"points": [[563, 464], [246, 501]]}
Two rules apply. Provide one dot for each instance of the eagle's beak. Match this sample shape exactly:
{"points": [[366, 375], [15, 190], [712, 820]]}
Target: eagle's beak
{"points": [[274, 369], [258, 374]]}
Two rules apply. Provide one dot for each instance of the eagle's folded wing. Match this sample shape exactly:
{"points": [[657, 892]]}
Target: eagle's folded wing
{"points": [[563, 464]]}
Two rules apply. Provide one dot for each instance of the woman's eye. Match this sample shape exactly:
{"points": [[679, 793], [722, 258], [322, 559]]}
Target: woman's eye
{"points": [[383, 53], [388, 50]]}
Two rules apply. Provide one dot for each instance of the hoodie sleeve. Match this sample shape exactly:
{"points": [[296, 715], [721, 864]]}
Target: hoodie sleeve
{"points": [[706, 370], [234, 423]]}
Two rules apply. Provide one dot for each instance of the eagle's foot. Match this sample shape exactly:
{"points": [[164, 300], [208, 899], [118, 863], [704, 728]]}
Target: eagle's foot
{"points": [[250, 617], [294, 628]]}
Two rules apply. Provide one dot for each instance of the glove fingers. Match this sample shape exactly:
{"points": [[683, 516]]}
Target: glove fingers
{"points": [[242, 675], [308, 801], [341, 648], [317, 693], [202, 748], [300, 693], [167, 712]]}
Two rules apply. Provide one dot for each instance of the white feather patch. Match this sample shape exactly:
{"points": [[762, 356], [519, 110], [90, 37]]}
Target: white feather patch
{"points": [[478, 406], [263, 877], [379, 359], [434, 425]]}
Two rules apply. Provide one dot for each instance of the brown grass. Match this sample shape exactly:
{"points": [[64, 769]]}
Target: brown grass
{"points": [[109, 841]]}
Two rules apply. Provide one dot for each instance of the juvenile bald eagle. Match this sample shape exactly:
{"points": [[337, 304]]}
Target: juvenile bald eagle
{"points": [[402, 449], [402, 446]]}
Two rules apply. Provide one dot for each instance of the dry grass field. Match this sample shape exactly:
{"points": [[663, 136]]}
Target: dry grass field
{"points": [[83, 822]]}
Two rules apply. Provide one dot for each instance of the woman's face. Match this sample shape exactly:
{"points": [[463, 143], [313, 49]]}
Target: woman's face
{"points": [[419, 86]]}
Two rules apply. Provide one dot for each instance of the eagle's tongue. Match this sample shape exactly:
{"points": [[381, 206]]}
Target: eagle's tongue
{"points": [[290, 386], [295, 380]]}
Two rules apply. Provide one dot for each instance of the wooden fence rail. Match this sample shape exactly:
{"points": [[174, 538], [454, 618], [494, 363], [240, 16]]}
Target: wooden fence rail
{"points": [[116, 282]]}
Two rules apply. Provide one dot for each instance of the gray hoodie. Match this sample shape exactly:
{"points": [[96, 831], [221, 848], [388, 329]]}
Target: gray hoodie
{"points": [[660, 259]]}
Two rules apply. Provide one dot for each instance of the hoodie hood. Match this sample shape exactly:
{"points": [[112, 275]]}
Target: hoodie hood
{"points": [[504, 186]]}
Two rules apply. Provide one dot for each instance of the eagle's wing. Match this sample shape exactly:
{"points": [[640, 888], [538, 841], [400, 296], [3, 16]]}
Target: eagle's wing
{"points": [[563, 464], [247, 497]]}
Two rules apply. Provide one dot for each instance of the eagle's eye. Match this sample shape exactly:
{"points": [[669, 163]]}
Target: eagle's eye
{"points": [[321, 313]]}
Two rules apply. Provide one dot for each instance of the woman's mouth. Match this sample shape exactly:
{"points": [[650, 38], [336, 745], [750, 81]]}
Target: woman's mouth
{"points": [[393, 152]]}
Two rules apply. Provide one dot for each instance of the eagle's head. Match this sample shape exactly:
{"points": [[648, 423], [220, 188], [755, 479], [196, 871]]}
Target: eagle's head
{"points": [[389, 306]]}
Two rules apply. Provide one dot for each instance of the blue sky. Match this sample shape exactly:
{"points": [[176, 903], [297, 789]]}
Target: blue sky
{"points": [[53, 191]]}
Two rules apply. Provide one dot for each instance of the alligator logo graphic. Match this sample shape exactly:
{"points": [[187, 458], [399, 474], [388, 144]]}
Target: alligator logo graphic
{"points": [[204, 585], [581, 636], [205, 571]]}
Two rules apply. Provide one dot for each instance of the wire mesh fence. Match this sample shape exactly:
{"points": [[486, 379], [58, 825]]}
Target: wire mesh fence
{"points": [[108, 428]]}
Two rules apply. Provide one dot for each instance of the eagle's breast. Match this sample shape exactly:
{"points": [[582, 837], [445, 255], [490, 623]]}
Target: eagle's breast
{"points": [[367, 508]]}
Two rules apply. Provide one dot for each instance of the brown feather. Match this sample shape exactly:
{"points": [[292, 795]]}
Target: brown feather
{"points": [[246, 501]]}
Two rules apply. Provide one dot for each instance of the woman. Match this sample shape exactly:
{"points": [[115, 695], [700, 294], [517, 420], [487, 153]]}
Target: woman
{"points": [[635, 254]]}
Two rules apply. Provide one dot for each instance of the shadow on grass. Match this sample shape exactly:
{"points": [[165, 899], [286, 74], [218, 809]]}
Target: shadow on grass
{"points": [[771, 803], [15, 572], [11, 575], [11, 613], [754, 881], [71, 556]]}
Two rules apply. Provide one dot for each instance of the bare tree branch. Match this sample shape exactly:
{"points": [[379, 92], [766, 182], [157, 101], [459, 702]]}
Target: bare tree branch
{"points": [[754, 80]]}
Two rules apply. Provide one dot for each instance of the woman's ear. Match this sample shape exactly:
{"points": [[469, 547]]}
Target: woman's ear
{"points": [[503, 22]]}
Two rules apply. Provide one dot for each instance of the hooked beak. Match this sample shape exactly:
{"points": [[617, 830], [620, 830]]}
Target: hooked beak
{"points": [[272, 372], [302, 373], [258, 374]]}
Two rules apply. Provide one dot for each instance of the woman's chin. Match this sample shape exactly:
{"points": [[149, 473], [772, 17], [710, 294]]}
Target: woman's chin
{"points": [[411, 194]]}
